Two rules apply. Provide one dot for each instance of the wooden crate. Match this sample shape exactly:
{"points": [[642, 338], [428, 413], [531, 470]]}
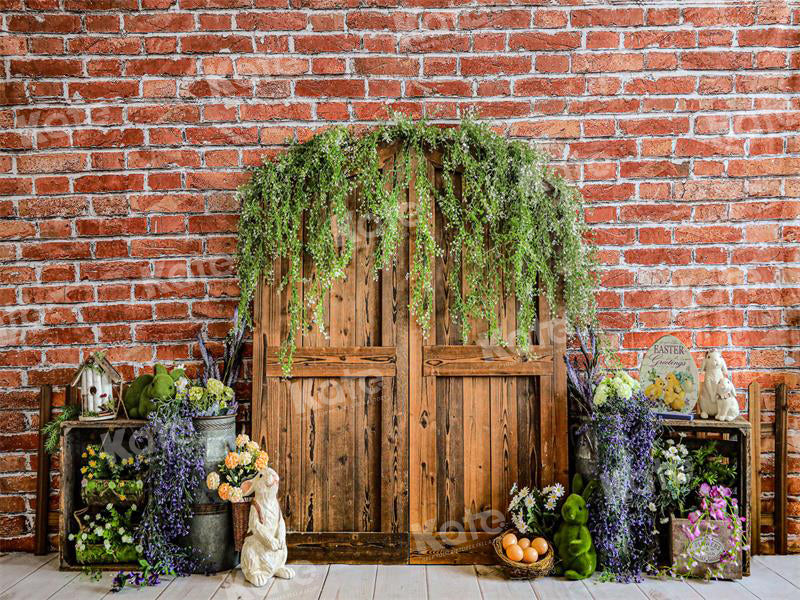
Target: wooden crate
{"points": [[75, 436], [733, 440]]}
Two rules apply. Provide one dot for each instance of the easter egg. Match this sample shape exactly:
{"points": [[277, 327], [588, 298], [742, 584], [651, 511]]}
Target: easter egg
{"points": [[529, 555], [509, 539], [540, 545], [514, 552], [524, 543]]}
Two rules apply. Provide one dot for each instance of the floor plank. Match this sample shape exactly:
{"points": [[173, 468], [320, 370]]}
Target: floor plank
{"points": [[84, 588], [667, 589], [41, 583], [787, 566], [714, 590], [613, 591], [28, 577], [236, 587], [556, 588], [767, 584], [16, 567], [398, 582], [306, 584], [496, 586], [349, 582], [452, 581], [196, 586]]}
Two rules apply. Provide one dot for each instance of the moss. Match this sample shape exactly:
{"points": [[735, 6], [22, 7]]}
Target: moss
{"points": [[516, 227]]}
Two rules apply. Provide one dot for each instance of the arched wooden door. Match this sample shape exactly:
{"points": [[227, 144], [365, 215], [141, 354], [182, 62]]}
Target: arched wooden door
{"points": [[391, 447]]}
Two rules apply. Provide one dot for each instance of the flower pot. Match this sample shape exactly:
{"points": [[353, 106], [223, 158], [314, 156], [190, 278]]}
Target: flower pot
{"points": [[584, 448], [211, 537], [217, 435], [210, 533], [705, 553], [241, 518], [99, 492]]}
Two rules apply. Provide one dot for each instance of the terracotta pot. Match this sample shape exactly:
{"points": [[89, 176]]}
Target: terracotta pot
{"points": [[241, 516]]}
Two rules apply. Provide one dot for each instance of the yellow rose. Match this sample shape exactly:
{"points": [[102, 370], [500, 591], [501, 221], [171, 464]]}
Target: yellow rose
{"points": [[232, 460], [224, 491]]}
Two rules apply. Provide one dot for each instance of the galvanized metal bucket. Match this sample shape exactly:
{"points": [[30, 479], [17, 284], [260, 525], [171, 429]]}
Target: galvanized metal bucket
{"points": [[211, 537], [217, 436], [211, 532]]}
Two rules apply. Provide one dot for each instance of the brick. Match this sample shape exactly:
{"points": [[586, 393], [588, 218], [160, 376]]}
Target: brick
{"points": [[317, 43], [387, 66], [540, 41], [416, 44], [495, 65]]}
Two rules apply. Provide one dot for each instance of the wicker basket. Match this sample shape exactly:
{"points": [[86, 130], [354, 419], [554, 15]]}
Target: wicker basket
{"points": [[520, 570], [241, 518]]}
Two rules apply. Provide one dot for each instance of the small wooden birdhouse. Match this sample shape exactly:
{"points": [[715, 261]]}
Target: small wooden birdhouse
{"points": [[95, 380]]}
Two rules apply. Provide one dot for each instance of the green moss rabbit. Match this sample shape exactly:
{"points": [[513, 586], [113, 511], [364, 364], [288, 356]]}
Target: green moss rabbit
{"points": [[572, 540]]}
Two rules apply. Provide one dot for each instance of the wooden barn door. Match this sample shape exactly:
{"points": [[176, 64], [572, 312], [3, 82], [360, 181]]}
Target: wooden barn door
{"points": [[391, 447], [337, 430], [481, 418]]}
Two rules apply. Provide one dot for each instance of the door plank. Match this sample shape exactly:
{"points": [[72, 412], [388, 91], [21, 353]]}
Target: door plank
{"points": [[349, 581], [503, 442], [394, 459], [477, 450], [547, 411], [401, 582], [483, 360]]}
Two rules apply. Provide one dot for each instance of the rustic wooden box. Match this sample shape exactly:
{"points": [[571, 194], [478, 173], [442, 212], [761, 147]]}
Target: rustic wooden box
{"points": [[706, 549], [733, 440], [75, 436]]}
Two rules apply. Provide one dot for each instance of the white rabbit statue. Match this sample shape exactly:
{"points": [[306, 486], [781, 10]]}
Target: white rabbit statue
{"points": [[727, 405], [715, 370], [264, 549]]}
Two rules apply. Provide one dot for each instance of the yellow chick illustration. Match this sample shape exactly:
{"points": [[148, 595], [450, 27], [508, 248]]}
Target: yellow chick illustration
{"points": [[674, 394], [655, 390]]}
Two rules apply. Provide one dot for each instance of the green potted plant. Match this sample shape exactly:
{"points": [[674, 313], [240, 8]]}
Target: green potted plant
{"points": [[106, 536], [108, 479]]}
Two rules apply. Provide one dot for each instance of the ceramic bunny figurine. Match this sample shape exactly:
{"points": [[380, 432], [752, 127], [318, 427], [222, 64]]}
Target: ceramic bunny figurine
{"points": [[264, 550], [715, 371], [727, 405]]}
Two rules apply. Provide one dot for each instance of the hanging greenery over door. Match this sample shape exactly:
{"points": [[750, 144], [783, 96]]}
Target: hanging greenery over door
{"points": [[517, 227]]}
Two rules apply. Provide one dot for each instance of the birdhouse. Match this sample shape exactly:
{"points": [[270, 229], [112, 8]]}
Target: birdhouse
{"points": [[95, 381]]}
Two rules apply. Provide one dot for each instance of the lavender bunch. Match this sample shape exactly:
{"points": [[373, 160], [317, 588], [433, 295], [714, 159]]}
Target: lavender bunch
{"points": [[622, 517], [175, 470], [231, 357], [582, 379]]}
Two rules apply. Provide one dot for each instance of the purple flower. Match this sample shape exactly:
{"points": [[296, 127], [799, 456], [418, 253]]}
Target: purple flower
{"points": [[705, 489]]}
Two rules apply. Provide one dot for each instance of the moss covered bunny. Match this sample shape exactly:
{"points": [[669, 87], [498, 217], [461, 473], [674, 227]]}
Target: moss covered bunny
{"points": [[572, 540], [147, 389]]}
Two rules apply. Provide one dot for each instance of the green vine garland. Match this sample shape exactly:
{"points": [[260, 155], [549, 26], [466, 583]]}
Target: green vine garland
{"points": [[517, 226]]}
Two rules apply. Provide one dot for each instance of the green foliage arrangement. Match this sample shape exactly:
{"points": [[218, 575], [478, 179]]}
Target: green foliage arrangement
{"points": [[516, 226], [52, 429]]}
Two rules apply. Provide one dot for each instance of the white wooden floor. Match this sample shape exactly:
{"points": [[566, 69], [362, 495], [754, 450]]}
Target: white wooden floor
{"points": [[28, 577]]}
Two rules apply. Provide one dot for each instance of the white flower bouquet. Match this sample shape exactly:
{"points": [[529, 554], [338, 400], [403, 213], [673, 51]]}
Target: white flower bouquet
{"points": [[534, 511]]}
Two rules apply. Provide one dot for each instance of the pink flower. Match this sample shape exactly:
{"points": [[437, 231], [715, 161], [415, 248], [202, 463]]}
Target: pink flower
{"points": [[705, 489], [693, 516]]}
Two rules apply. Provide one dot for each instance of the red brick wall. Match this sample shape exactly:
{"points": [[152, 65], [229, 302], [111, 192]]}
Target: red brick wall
{"points": [[127, 124]]}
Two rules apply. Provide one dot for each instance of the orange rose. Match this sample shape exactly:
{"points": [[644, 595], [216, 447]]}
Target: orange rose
{"points": [[232, 460], [262, 461], [224, 491]]}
